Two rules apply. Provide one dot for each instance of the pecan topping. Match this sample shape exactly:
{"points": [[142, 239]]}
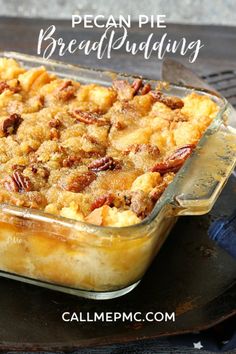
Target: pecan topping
{"points": [[45, 172], [66, 91], [145, 89], [18, 167], [141, 204], [98, 149], [34, 169], [54, 123], [127, 91], [124, 89], [10, 185], [127, 199], [78, 183], [65, 85], [137, 84], [4, 86], [70, 161], [17, 88], [62, 149], [103, 200], [171, 102], [91, 139], [89, 117], [41, 170], [157, 192], [136, 148], [54, 134], [11, 124], [23, 182], [175, 161], [18, 182], [157, 95], [103, 164], [41, 100], [140, 88], [159, 189], [119, 125]]}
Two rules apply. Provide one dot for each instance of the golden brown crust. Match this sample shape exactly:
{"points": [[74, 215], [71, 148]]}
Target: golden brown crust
{"points": [[97, 154]]}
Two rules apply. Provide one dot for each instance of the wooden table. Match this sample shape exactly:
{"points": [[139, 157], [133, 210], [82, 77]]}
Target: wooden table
{"points": [[219, 53]]}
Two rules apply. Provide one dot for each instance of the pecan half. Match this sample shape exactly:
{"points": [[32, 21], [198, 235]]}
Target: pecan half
{"points": [[66, 91], [40, 170], [18, 182], [157, 95], [145, 89], [65, 85], [54, 123], [171, 102], [23, 182], [102, 200], [78, 183], [140, 88], [159, 189], [11, 124], [98, 148], [89, 117], [91, 139], [70, 161], [175, 161], [4, 86], [124, 89], [34, 169], [16, 88], [10, 184], [137, 84], [54, 134], [119, 125], [103, 164], [62, 149], [141, 204], [18, 167]]}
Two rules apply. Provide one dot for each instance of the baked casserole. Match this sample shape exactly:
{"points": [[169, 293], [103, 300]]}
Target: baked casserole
{"points": [[84, 203]]}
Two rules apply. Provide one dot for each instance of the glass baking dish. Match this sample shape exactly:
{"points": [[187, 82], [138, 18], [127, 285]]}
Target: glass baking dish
{"points": [[106, 262]]}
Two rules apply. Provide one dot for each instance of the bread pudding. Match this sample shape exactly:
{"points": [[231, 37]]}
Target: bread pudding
{"points": [[77, 157], [100, 155]]}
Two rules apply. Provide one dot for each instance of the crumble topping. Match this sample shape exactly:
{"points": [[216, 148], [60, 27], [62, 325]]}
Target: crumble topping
{"points": [[103, 155]]}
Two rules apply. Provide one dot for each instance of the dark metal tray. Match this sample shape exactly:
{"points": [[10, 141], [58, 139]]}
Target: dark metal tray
{"points": [[190, 276]]}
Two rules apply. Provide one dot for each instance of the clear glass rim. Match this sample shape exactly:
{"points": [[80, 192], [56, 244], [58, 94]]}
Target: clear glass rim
{"points": [[169, 193]]}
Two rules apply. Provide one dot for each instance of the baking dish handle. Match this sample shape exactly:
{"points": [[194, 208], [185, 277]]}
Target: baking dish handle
{"points": [[206, 172]]}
